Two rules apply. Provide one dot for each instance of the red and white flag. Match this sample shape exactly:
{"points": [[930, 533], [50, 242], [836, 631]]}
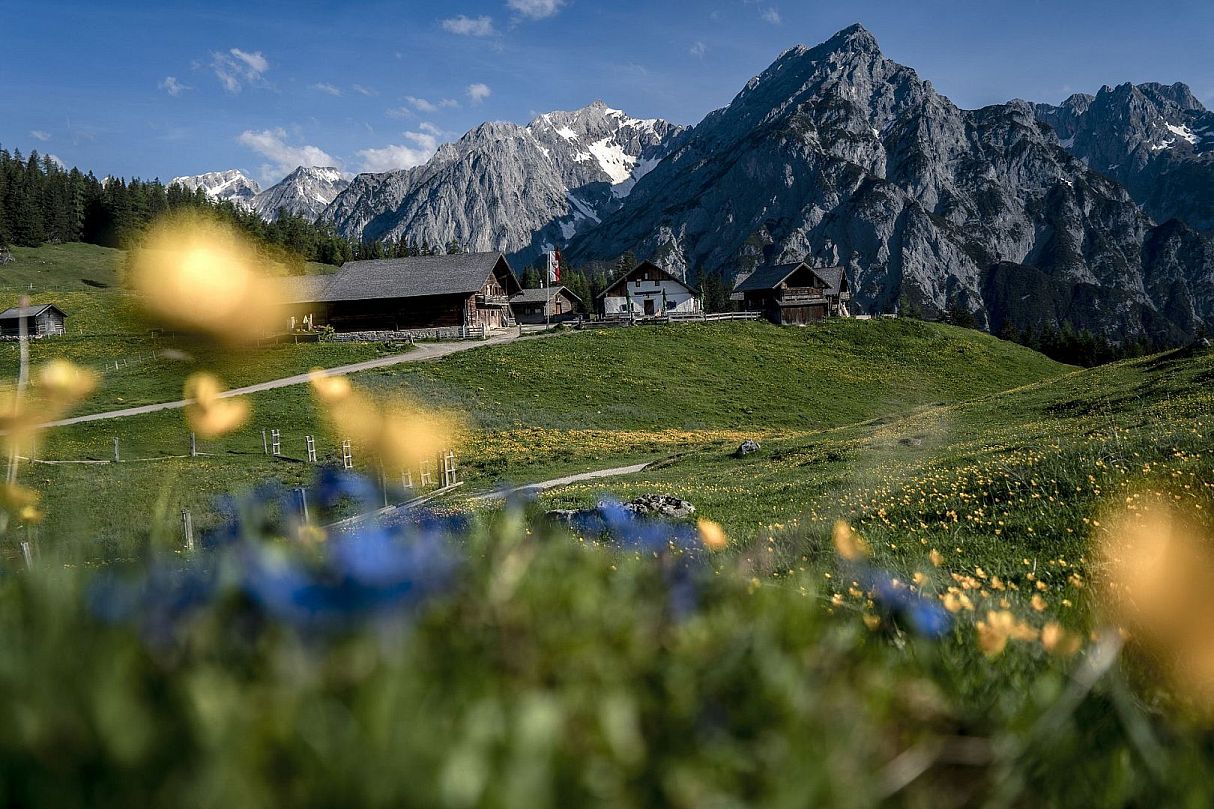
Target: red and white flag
{"points": [[554, 267]]}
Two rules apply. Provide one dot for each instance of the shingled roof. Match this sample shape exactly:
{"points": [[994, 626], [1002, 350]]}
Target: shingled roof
{"points": [[29, 311], [412, 277], [542, 294], [771, 277], [644, 265]]}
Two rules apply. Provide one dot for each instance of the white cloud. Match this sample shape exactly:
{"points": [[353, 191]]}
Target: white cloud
{"points": [[284, 158], [421, 148], [470, 26], [771, 15], [325, 87], [399, 112], [536, 9], [237, 68], [449, 103], [255, 61], [38, 134], [430, 128], [361, 90], [698, 49], [421, 104], [173, 87], [478, 92]]}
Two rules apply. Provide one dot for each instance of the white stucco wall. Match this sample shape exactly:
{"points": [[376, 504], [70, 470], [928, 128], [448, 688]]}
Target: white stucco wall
{"points": [[678, 299]]}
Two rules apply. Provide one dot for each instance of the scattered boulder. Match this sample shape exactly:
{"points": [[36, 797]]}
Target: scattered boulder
{"points": [[647, 505], [748, 447], [662, 505]]}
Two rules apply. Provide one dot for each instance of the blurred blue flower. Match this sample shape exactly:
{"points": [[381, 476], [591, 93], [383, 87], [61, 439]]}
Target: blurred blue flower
{"points": [[921, 615]]}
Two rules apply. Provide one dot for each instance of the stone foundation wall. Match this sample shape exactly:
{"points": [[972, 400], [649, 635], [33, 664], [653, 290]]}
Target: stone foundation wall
{"points": [[405, 335]]}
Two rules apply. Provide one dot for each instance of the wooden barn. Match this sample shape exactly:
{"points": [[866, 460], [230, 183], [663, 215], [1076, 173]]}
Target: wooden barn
{"points": [[40, 320], [648, 291], [462, 290], [545, 305], [795, 293]]}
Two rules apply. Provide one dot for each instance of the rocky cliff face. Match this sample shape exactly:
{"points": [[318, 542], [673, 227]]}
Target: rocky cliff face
{"points": [[304, 192], [838, 154], [505, 187], [1157, 140]]}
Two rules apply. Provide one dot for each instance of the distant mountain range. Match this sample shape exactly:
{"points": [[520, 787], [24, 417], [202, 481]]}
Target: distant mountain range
{"points": [[305, 192], [1097, 212]]}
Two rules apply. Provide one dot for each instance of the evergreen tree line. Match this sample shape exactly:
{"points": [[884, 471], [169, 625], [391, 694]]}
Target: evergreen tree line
{"points": [[42, 202]]}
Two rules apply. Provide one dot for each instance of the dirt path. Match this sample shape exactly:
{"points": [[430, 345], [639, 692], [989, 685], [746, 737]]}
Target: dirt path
{"points": [[543, 486], [422, 353]]}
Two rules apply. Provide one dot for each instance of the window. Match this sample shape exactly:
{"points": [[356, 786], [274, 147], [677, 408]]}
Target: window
{"points": [[637, 282], [670, 304]]}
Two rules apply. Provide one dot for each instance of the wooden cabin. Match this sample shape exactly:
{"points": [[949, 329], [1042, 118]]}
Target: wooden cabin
{"points": [[40, 320], [462, 290], [648, 291], [795, 293], [545, 305]]}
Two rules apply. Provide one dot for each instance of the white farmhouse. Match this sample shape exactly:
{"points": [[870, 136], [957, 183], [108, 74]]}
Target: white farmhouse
{"points": [[648, 291]]}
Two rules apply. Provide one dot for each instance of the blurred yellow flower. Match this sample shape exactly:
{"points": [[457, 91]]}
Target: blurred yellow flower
{"points": [[209, 413], [64, 383], [1000, 627], [329, 389], [1158, 574], [848, 544], [1057, 641], [712, 535], [199, 275], [20, 502]]}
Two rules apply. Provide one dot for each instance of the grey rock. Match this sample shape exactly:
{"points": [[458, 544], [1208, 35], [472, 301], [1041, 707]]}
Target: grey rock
{"points": [[662, 505], [747, 447], [223, 186], [304, 192]]}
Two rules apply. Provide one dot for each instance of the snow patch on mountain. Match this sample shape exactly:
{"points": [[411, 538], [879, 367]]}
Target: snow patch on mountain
{"points": [[223, 186]]}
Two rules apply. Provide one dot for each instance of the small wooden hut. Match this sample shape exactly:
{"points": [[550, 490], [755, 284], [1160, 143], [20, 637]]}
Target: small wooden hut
{"points": [[40, 320]]}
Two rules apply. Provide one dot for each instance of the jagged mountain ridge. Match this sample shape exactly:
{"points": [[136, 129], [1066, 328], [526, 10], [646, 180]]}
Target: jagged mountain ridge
{"points": [[839, 154], [502, 186], [223, 186], [304, 192], [1157, 140]]}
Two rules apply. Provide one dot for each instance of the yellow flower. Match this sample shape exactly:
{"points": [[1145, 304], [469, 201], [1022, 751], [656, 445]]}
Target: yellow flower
{"points": [[936, 558], [21, 502], [209, 413], [1037, 603], [712, 535], [848, 544], [63, 383], [329, 389], [1057, 641], [199, 275]]}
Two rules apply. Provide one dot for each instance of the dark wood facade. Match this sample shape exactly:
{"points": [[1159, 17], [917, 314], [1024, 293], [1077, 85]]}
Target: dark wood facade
{"points": [[422, 292], [546, 305], [39, 321], [795, 294]]}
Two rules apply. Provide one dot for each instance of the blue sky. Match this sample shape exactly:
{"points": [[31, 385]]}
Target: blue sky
{"points": [[164, 88]]}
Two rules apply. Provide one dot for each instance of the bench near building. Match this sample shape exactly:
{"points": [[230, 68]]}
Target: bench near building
{"points": [[429, 297], [795, 293], [40, 320], [545, 305], [648, 291]]}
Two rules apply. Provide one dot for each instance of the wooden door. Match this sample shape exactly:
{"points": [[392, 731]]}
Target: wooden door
{"points": [[649, 310]]}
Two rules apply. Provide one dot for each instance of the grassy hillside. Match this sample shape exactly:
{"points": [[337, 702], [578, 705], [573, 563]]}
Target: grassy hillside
{"points": [[740, 375], [61, 268], [538, 408]]}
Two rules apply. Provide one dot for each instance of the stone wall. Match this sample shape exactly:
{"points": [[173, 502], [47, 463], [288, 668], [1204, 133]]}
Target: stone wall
{"points": [[405, 335]]}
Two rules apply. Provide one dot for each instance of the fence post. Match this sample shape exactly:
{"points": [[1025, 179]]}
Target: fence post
{"points": [[275, 443], [265, 446], [347, 457], [406, 479], [117, 458], [28, 554], [193, 445], [303, 502], [187, 529], [311, 449]]}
